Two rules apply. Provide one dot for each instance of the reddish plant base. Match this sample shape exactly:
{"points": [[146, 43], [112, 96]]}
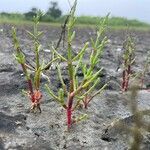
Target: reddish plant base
{"points": [[69, 110], [69, 118], [35, 98], [125, 79]]}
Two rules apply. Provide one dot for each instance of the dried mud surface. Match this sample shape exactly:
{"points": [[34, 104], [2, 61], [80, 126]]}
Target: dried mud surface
{"points": [[21, 130]]}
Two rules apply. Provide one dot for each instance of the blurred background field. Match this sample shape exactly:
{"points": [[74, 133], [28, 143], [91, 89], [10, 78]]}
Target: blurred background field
{"points": [[56, 14]]}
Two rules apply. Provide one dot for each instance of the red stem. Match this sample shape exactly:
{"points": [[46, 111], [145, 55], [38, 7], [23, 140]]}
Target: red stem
{"points": [[123, 79], [128, 77], [69, 110], [124, 76], [69, 118]]}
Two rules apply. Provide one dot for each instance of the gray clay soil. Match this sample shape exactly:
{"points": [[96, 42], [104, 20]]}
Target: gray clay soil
{"points": [[21, 130]]}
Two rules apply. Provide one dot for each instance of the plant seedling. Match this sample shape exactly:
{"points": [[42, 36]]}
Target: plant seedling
{"points": [[128, 60], [98, 45], [78, 91], [34, 93]]}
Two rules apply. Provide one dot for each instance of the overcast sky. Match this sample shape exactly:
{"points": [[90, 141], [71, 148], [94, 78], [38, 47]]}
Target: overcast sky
{"points": [[133, 9]]}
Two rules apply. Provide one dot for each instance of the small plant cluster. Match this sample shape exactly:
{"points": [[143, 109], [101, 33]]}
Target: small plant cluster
{"points": [[128, 60], [79, 92], [34, 94]]}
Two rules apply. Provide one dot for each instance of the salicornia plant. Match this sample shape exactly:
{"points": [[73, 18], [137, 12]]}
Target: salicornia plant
{"points": [[78, 91], [98, 45], [34, 93], [128, 60]]}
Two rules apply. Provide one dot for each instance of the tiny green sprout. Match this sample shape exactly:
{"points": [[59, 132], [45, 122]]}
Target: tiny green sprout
{"points": [[128, 60], [34, 93], [79, 91]]}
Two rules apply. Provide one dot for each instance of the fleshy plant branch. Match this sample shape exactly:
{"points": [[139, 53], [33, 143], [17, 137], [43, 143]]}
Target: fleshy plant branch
{"points": [[97, 50], [34, 93], [128, 60], [78, 90]]}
